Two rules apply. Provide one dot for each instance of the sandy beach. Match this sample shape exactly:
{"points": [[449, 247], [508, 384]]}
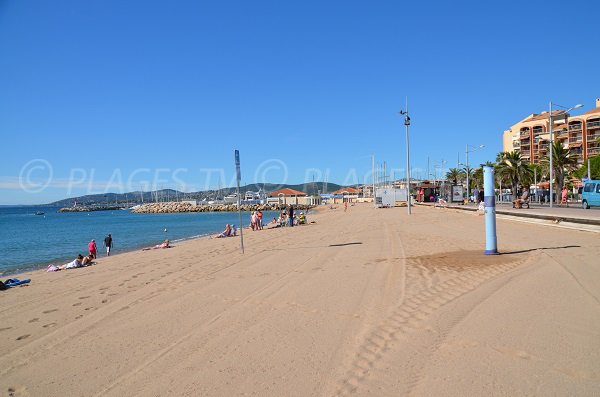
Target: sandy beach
{"points": [[369, 302]]}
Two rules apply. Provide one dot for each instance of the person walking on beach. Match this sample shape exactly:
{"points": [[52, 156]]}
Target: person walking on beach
{"points": [[108, 243], [345, 206], [92, 248], [291, 215]]}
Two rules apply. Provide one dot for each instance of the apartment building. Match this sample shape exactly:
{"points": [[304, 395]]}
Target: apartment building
{"points": [[531, 136]]}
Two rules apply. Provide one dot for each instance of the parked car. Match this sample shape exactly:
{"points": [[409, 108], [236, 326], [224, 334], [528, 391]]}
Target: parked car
{"points": [[591, 194]]}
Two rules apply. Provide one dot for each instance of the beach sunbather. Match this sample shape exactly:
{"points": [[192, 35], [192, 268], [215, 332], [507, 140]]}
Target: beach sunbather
{"points": [[77, 262], [164, 244], [226, 232]]}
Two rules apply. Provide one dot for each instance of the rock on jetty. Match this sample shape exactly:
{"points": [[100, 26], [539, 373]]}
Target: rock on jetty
{"points": [[84, 208], [171, 207]]}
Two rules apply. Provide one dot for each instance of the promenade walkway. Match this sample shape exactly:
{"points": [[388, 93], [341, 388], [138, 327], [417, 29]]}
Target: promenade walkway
{"points": [[573, 214]]}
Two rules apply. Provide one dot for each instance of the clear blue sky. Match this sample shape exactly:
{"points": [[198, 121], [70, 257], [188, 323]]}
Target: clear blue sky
{"points": [[100, 89]]}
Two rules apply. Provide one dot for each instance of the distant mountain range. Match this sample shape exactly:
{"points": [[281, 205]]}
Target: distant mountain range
{"points": [[132, 198]]}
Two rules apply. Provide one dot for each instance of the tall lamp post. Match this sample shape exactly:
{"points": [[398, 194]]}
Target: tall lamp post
{"points": [[467, 151], [407, 123], [564, 111]]}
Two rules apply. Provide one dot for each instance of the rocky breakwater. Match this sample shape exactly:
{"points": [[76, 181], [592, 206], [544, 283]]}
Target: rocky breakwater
{"points": [[90, 208], [174, 207]]}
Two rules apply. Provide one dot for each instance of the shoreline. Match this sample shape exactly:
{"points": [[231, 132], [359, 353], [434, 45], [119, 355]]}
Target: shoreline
{"points": [[31, 268]]}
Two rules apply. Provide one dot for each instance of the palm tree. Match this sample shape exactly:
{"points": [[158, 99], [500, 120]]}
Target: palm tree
{"points": [[514, 168], [464, 173], [562, 164], [454, 174]]}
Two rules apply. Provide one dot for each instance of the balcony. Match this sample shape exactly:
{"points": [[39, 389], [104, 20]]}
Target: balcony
{"points": [[575, 138], [592, 151], [593, 136], [575, 127], [593, 124], [561, 134]]}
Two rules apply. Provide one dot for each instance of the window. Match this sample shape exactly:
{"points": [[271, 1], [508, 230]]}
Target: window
{"points": [[598, 188], [589, 187]]}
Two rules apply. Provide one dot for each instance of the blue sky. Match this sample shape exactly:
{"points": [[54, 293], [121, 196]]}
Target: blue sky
{"points": [[120, 94]]}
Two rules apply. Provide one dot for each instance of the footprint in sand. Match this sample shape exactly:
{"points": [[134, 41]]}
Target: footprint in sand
{"points": [[83, 297], [33, 320], [50, 311], [49, 325], [5, 329], [78, 317], [104, 300], [77, 304], [23, 337]]}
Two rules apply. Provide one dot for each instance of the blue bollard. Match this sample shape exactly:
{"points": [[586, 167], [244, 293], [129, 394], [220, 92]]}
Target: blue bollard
{"points": [[489, 200]]}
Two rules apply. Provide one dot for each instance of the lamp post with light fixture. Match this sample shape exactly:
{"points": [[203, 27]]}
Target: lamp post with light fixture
{"points": [[407, 123]]}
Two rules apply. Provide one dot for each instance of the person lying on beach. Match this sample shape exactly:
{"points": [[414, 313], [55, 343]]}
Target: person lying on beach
{"points": [[77, 262], [164, 244], [226, 232]]}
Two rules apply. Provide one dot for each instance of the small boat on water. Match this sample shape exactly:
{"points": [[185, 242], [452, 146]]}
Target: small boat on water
{"points": [[39, 213]]}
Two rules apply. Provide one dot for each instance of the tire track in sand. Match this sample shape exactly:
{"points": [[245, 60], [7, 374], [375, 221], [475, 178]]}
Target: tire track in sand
{"points": [[417, 306]]}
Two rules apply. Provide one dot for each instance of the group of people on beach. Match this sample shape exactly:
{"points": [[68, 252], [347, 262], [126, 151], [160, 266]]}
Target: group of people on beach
{"points": [[108, 244], [82, 261], [287, 217]]}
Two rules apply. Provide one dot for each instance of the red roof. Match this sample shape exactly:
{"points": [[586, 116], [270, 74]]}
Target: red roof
{"points": [[287, 192], [346, 190]]}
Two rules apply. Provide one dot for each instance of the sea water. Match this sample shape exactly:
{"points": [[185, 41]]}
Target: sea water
{"points": [[29, 241]]}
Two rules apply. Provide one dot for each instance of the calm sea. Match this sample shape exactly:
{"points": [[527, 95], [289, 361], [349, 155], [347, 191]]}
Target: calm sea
{"points": [[29, 241]]}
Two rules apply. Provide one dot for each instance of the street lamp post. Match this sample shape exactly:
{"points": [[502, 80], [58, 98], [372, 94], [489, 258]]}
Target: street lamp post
{"points": [[467, 165], [407, 123], [551, 151]]}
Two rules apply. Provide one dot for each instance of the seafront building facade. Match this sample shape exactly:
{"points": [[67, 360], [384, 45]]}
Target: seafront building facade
{"points": [[531, 136]]}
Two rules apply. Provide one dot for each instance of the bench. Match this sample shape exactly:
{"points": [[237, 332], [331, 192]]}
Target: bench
{"points": [[518, 203]]}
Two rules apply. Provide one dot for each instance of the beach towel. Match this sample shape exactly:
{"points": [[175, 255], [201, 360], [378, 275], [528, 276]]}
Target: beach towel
{"points": [[52, 268], [13, 282]]}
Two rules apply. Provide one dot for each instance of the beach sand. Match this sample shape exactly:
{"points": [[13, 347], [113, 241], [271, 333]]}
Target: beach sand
{"points": [[369, 302]]}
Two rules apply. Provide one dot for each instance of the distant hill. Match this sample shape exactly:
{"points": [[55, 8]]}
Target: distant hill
{"points": [[137, 197]]}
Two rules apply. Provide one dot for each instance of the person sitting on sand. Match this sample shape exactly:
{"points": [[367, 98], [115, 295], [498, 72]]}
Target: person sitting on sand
{"points": [[226, 232], [282, 220], [87, 261], [233, 231], [302, 219]]}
